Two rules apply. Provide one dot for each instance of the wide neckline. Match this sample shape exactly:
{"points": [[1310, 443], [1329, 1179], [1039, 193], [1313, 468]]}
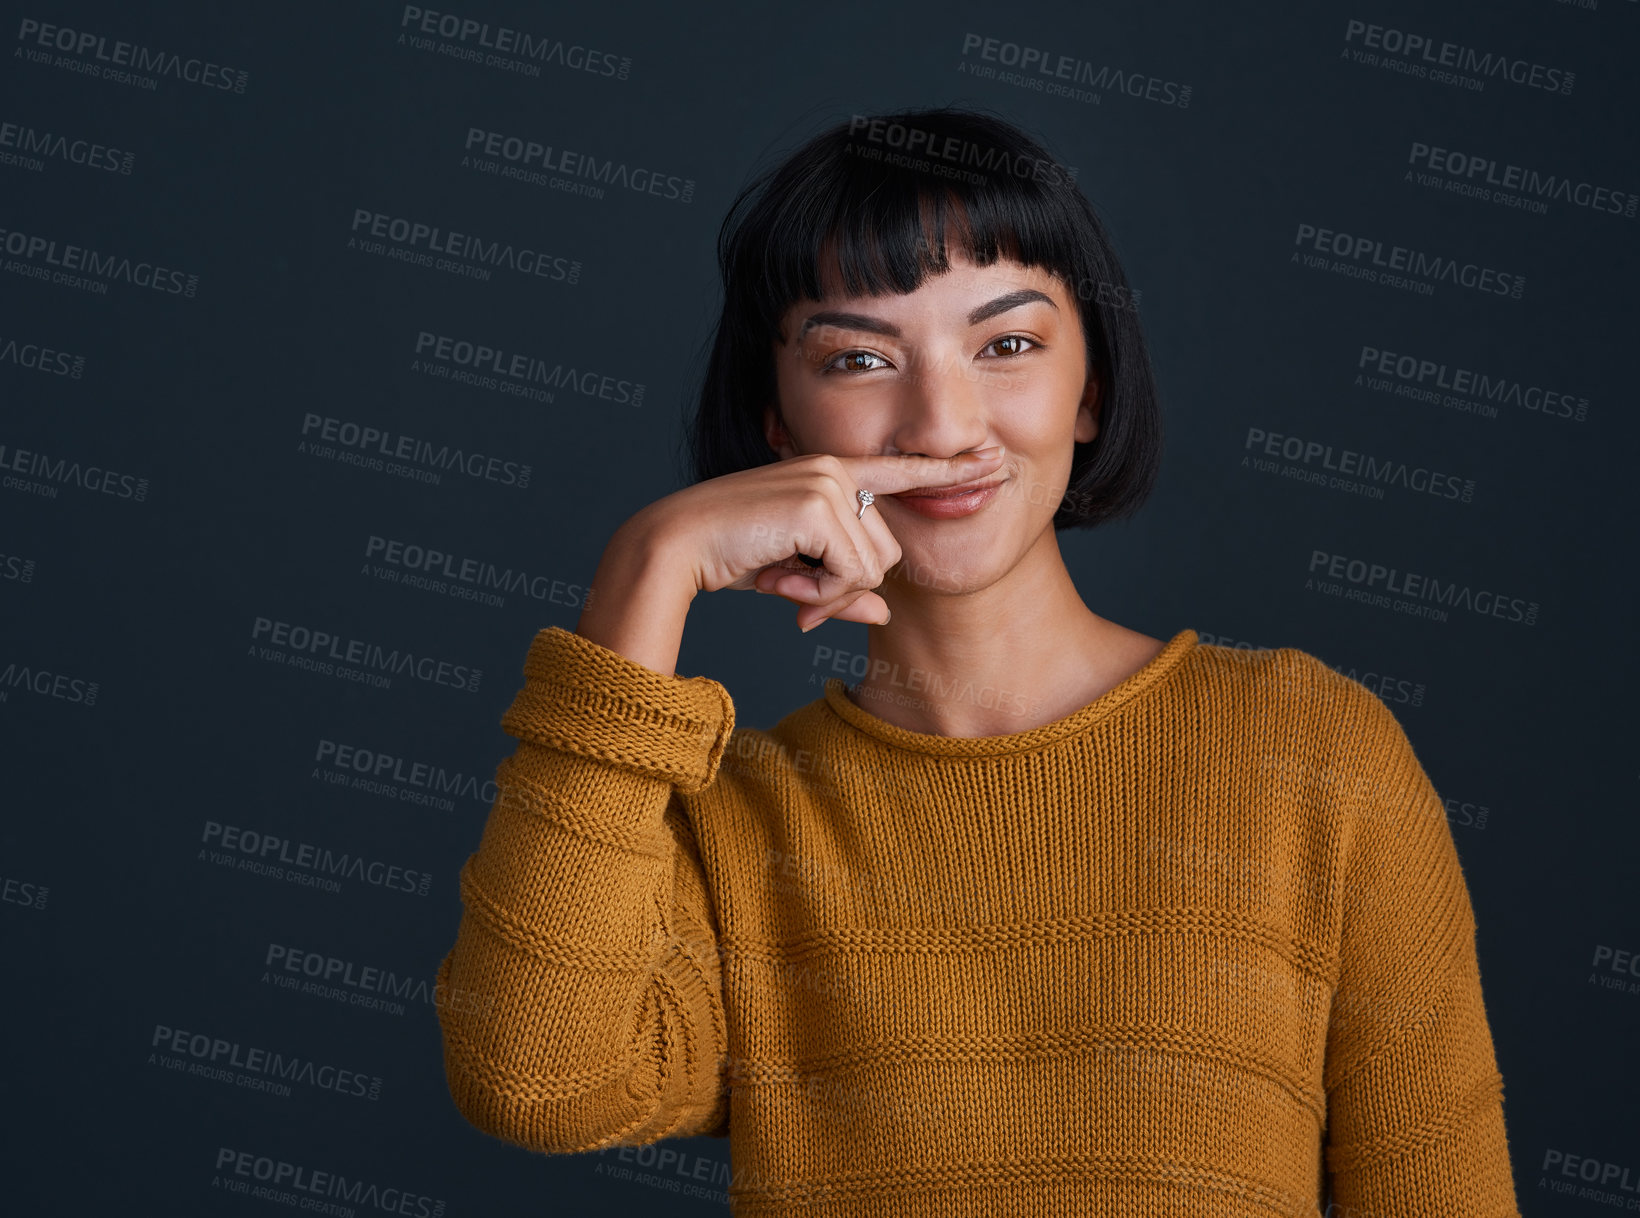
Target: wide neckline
{"points": [[1136, 683]]}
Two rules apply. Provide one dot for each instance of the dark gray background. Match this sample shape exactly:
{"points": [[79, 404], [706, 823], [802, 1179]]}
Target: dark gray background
{"points": [[114, 924]]}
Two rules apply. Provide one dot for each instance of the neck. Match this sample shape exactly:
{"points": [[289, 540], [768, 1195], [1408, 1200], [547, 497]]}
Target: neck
{"points": [[1021, 652]]}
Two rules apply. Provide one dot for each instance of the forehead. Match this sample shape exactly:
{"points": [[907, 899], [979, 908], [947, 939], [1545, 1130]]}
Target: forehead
{"points": [[965, 280]]}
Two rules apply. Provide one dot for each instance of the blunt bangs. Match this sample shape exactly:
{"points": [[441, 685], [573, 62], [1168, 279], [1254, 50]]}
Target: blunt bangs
{"points": [[884, 230]]}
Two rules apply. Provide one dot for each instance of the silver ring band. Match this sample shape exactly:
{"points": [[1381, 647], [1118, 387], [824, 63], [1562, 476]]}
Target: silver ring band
{"points": [[866, 499]]}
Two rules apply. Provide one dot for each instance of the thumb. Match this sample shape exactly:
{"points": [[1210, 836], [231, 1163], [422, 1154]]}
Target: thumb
{"points": [[865, 607]]}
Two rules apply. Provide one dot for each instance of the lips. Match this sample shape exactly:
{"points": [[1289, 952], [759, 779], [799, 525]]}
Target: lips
{"points": [[946, 492]]}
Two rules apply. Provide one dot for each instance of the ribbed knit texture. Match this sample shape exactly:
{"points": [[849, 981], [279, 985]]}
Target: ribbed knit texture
{"points": [[1202, 947]]}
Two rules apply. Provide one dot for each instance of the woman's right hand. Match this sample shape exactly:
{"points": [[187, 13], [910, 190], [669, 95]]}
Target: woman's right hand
{"points": [[745, 530]]}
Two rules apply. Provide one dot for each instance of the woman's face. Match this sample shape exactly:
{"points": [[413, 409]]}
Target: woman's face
{"points": [[974, 357]]}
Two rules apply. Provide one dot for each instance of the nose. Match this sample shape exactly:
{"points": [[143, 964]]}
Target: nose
{"points": [[941, 410]]}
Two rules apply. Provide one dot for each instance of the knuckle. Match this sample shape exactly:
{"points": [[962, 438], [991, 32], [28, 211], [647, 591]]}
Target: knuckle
{"points": [[856, 567]]}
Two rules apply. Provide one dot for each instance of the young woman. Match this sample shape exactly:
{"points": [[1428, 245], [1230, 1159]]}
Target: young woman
{"points": [[1044, 915]]}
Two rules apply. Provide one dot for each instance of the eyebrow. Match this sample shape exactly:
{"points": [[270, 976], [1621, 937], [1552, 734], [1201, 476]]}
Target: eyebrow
{"points": [[876, 325]]}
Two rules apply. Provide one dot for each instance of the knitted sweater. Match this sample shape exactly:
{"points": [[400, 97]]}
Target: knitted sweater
{"points": [[1203, 946]]}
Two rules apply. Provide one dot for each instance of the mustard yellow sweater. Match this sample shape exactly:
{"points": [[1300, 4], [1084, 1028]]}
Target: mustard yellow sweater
{"points": [[1202, 947]]}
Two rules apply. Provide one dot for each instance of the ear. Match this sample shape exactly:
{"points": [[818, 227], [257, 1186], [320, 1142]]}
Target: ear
{"points": [[774, 432], [1087, 411]]}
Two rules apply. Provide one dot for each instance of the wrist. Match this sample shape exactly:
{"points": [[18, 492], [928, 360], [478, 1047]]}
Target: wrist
{"points": [[639, 598], [648, 552]]}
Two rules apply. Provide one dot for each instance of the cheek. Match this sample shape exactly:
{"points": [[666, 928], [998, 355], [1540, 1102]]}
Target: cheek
{"points": [[823, 420], [1039, 423], [786, 385]]}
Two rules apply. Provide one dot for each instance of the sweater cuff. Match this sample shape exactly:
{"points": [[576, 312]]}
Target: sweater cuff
{"points": [[587, 699]]}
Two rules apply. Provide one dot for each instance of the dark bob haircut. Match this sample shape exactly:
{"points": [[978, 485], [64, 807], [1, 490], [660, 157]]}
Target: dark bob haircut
{"points": [[876, 195]]}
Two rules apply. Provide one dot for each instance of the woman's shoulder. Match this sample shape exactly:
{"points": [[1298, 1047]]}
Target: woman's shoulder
{"points": [[1286, 666], [1294, 680]]}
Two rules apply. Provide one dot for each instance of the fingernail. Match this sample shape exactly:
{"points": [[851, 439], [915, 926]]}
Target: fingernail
{"points": [[887, 618], [810, 627], [985, 454]]}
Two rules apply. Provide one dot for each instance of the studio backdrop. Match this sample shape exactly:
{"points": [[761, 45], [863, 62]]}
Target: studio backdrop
{"points": [[336, 340]]}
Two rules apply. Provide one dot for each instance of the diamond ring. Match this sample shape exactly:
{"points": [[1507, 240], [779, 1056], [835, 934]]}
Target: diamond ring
{"points": [[866, 499]]}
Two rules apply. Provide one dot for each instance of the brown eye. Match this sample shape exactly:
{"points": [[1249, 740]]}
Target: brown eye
{"points": [[854, 361], [1019, 341]]}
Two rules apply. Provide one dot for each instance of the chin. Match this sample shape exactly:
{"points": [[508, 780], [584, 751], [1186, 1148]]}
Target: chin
{"points": [[952, 569]]}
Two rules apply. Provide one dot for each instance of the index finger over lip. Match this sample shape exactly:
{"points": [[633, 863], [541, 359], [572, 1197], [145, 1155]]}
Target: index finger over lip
{"points": [[888, 475]]}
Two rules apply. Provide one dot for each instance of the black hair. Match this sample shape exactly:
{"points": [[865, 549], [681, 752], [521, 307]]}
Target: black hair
{"points": [[874, 195]]}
